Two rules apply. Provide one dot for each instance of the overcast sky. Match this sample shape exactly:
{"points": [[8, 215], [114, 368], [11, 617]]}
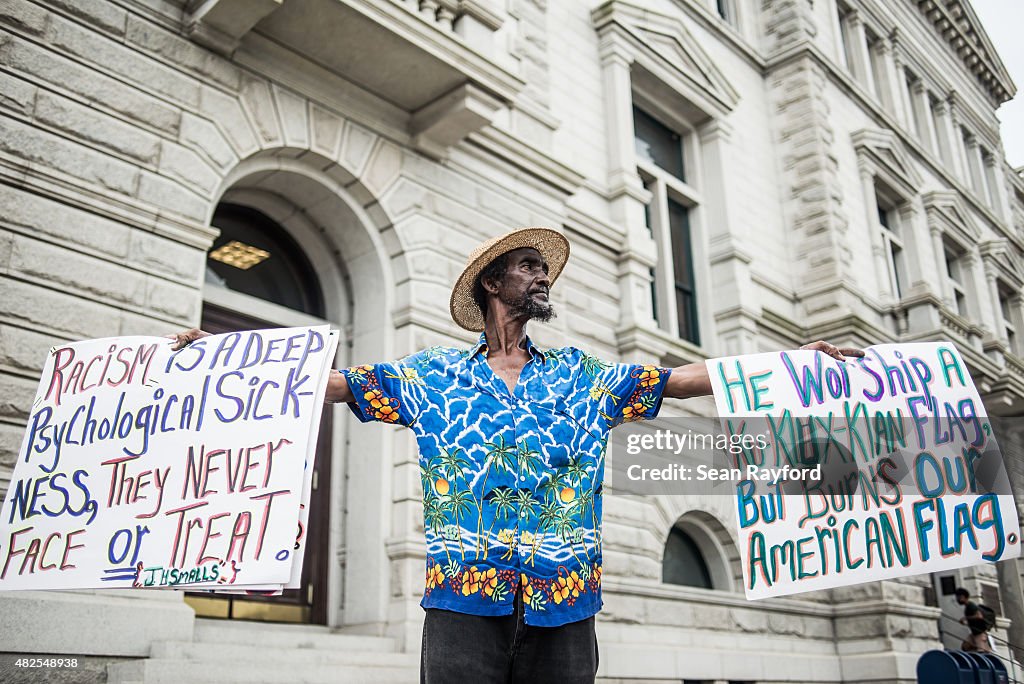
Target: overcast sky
{"points": [[1004, 20]]}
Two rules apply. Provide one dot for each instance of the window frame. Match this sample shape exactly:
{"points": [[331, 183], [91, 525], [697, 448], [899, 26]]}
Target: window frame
{"points": [[1008, 313], [666, 187], [893, 208], [956, 258]]}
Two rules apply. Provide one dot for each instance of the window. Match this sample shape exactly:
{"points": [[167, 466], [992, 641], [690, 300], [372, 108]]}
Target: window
{"points": [[661, 161], [877, 63], [658, 145], [1008, 314], [726, 10], [956, 276], [684, 563], [255, 256], [892, 243], [682, 262]]}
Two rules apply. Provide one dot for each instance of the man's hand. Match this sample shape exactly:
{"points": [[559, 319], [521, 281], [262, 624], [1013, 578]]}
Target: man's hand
{"points": [[183, 339], [833, 351], [338, 391]]}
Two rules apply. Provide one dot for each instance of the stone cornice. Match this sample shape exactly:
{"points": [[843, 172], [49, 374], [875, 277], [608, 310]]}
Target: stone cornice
{"points": [[957, 23], [662, 45], [524, 156], [880, 151], [946, 211]]}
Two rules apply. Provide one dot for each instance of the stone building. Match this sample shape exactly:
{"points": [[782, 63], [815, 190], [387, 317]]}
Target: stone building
{"points": [[734, 176]]}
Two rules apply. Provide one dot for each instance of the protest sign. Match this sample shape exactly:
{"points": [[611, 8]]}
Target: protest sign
{"points": [[146, 467], [861, 470]]}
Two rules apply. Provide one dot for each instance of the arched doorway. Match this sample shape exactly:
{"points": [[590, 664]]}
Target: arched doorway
{"points": [[258, 276]]}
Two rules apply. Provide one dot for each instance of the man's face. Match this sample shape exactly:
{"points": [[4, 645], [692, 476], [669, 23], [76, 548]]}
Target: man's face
{"points": [[961, 599], [524, 288]]}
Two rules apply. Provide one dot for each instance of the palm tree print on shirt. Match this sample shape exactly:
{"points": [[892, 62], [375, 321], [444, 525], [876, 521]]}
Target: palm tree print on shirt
{"points": [[511, 481]]}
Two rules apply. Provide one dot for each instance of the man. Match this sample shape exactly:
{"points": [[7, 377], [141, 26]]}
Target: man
{"points": [[511, 442], [976, 621]]}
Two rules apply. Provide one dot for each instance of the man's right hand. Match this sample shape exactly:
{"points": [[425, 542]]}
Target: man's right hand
{"points": [[186, 338]]}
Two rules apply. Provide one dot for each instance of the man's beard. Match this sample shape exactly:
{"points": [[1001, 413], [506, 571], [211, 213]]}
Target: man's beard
{"points": [[533, 310]]}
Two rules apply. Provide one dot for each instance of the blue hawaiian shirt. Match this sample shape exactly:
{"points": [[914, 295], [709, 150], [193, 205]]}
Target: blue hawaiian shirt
{"points": [[512, 481]]}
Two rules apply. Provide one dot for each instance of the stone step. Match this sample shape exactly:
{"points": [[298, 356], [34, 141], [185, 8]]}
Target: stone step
{"points": [[286, 636], [264, 671], [339, 653]]}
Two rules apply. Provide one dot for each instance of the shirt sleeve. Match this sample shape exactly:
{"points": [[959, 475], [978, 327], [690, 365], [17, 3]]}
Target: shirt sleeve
{"points": [[633, 391], [384, 392]]}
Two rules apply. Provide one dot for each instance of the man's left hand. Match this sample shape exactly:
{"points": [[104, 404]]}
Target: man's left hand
{"points": [[834, 351]]}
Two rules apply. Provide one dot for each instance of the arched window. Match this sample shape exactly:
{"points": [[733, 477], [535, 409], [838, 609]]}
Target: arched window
{"points": [[684, 563], [255, 256]]}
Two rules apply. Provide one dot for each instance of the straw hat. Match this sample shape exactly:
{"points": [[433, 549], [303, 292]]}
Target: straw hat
{"points": [[551, 244]]}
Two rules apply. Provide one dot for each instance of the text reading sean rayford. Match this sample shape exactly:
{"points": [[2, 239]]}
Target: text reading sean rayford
{"points": [[664, 442]]}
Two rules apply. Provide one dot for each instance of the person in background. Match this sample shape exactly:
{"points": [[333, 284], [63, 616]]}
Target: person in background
{"points": [[976, 621]]}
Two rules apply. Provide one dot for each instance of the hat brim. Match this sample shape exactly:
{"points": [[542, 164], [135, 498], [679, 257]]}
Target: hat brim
{"points": [[551, 244]]}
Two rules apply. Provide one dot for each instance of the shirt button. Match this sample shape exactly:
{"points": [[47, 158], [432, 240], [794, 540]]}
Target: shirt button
{"points": [[523, 514], [522, 478]]}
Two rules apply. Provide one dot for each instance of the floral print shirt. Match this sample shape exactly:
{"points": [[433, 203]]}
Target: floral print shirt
{"points": [[512, 481]]}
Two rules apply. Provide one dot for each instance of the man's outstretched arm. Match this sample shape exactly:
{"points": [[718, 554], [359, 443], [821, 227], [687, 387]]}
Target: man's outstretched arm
{"points": [[692, 380], [338, 391]]}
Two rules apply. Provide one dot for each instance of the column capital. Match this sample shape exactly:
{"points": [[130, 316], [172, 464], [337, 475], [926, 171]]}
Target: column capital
{"points": [[991, 269], [716, 130], [614, 51]]}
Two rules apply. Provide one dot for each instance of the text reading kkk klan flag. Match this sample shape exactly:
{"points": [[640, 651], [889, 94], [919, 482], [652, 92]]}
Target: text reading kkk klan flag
{"points": [[907, 475], [146, 467]]}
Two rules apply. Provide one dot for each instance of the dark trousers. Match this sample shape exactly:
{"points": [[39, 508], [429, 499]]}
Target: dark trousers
{"points": [[505, 650]]}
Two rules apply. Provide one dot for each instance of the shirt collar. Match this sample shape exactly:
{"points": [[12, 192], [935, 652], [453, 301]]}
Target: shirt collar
{"points": [[481, 345]]}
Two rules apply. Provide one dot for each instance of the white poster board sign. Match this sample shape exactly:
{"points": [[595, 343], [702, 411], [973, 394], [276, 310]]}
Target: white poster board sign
{"points": [[146, 467], [909, 477]]}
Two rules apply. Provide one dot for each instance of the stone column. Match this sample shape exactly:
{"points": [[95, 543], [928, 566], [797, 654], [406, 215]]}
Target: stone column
{"points": [[733, 288], [618, 106], [995, 312], [861, 66], [946, 138], [627, 195], [956, 143], [997, 182], [940, 265], [887, 89], [928, 133], [904, 107], [974, 171]]}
